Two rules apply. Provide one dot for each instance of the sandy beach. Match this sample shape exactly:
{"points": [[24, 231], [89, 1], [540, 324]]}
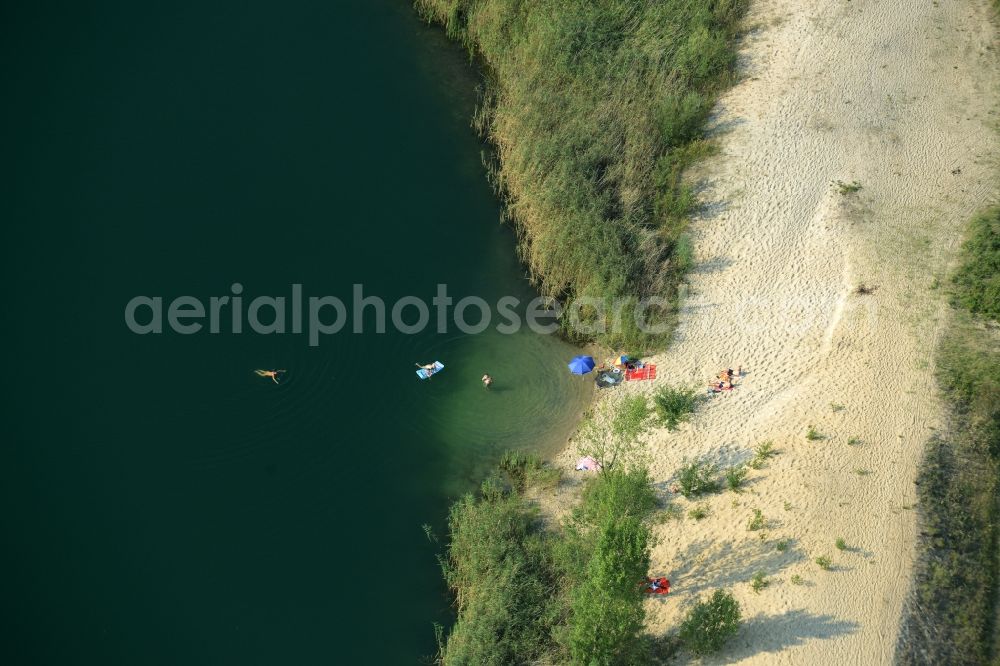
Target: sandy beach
{"points": [[901, 99]]}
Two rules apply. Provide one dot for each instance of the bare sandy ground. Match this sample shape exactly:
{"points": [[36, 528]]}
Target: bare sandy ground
{"points": [[900, 97]]}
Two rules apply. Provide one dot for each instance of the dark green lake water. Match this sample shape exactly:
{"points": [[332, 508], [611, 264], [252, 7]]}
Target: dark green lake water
{"points": [[161, 504]]}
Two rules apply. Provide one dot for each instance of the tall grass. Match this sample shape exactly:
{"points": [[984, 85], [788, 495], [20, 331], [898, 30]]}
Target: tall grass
{"points": [[951, 615], [498, 565], [977, 280], [595, 110]]}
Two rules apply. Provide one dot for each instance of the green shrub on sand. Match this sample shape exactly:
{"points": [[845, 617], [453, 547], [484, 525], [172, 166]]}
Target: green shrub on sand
{"points": [[711, 623]]}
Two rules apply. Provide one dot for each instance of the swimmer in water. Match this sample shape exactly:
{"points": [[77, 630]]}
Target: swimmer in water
{"points": [[487, 381], [273, 374], [429, 367]]}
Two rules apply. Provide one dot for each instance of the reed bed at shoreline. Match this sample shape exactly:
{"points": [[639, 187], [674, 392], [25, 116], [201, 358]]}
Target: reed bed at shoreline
{"points": [[595, 110]]}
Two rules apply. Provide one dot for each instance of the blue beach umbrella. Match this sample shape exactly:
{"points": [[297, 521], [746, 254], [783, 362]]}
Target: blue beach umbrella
{"points": [[581, 365]]}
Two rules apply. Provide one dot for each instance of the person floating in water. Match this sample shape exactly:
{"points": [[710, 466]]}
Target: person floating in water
{"points": [[487, 381], [273, 374]]}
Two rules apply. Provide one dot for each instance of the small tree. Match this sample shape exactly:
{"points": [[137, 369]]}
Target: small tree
{"points": [[615, 433], [711, 623], [607, 608]]}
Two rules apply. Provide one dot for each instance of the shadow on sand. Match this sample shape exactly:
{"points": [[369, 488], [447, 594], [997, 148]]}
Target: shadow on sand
{"points": [[709, 564], [773, 633]]}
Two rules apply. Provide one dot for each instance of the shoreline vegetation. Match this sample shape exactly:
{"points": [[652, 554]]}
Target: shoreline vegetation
{"points": [[951, 614], [531, 592], [595, 110], [528, 593]]}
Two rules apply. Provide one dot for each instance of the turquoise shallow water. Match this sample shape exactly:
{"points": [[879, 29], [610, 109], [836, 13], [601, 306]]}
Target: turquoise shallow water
{"points": [[161, 504]]}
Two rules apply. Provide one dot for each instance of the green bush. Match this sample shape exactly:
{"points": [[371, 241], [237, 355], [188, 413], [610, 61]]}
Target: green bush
{"points": [[847, 188], [735, 477], [674, 405], [711, 623], [698, 478], [613, 436], [757, 521], [614, 494], [607, 610], [762, 453], [526, 595]]}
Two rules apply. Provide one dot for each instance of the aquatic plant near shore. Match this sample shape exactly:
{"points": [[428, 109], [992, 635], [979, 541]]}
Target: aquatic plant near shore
{"points": [[527, 470]]}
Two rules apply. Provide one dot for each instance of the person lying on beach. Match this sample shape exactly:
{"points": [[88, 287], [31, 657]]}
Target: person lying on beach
{"points": [[658, 585], [273, 374], [719, 386]]}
